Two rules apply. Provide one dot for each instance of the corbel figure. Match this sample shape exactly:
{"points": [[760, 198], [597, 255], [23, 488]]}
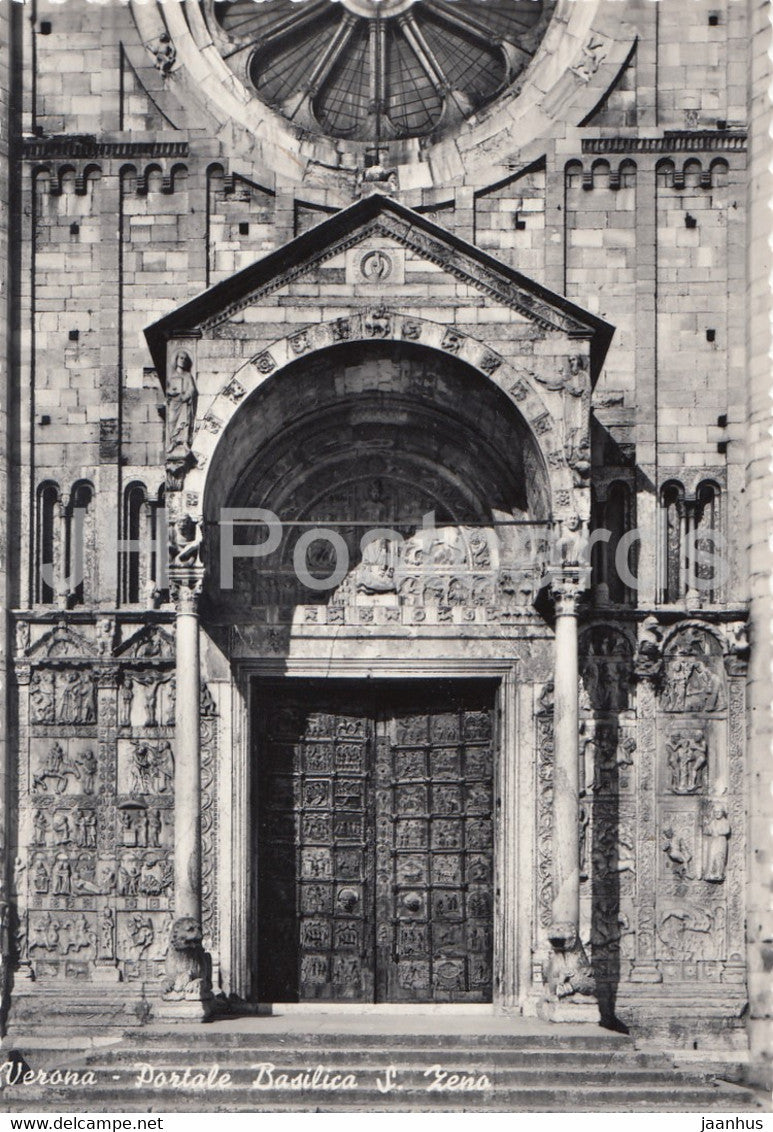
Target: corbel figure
{"points": [[649, 657], [737, 656]]}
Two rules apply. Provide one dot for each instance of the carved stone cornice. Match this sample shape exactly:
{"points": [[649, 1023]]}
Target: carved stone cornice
{"points": [[673, 141], [86, 145]]}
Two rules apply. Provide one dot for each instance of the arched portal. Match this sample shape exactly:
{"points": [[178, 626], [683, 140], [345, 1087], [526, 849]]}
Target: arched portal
{"points": [[375, 715], [393, 472]]}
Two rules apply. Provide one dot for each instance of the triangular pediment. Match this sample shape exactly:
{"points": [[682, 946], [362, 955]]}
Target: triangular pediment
{"points": [[61, 641], [371, 219], [150, 643]]}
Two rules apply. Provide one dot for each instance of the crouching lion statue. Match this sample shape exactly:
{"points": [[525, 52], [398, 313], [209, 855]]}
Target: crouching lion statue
{"points": [[568, 971], [185, 965]]}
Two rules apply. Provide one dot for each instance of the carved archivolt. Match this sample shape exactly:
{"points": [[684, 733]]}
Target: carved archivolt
{"points": [[517, 383]]}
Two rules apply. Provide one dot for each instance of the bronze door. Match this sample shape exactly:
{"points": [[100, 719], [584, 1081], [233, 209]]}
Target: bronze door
{"points": [[375, 843]]}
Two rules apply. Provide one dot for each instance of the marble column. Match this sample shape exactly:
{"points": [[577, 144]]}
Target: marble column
{"points": [[568, 975], [187, 990], [566, 777], [187, 767]]}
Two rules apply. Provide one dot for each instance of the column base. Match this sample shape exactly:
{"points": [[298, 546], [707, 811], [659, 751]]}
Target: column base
{"points": [[645, 971], [573, 1008], [107, 973], [183, 1009]]}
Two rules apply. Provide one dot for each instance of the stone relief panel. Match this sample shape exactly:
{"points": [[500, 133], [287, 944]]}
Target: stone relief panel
{"points": [[699, 808], [93, 883], [608, 805]]}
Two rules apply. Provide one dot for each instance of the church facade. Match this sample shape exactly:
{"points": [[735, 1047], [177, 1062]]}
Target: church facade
{"points": [[385, 505]]}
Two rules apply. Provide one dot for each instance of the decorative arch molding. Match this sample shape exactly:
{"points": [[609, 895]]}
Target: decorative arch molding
{"points": [[540, 407]]}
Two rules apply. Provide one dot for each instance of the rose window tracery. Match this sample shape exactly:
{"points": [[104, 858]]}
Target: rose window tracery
{"points": [[376, 70]]}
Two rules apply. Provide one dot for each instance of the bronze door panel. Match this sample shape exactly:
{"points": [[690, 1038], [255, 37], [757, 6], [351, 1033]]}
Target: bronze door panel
{"points": [[434, 852], [315, 858], [375, 845]]}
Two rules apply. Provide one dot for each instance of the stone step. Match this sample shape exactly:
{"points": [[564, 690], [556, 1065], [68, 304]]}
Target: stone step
{"points": [[410, 1076], [593, 1040], [351, 1055], [538, 1098]]}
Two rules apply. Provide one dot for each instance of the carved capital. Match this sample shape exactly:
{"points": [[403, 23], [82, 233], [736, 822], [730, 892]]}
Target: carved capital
{"points": [[107, 675], [185, 585], [567, 588]]}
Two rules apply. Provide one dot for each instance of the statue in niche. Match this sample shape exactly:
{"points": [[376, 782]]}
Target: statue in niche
{"points": [[716, 837], [105, 636], [687, 756], [42, 697], [180, 417]]}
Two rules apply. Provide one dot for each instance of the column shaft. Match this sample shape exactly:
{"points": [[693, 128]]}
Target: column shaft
{"points": [[566, 776], [187, 771]]}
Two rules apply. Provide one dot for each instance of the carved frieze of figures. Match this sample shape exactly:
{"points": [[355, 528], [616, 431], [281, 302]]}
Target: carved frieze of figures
{"points": [[149, 875], [145, 767], [693, 677], [75, 702], [180, 417], [687, 931], [716, 838], [58, 773], [141, 828], [146, 698], [62, 696], [687, 757], [607, 756], [606, 667], [41, 696], [140, 933], [59, 935]]}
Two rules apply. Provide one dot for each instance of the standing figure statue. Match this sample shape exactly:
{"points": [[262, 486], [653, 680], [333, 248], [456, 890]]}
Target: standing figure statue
{"points": [[180, 415]]}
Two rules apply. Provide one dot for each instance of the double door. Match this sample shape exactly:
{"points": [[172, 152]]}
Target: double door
{"points": [[375, 842]]}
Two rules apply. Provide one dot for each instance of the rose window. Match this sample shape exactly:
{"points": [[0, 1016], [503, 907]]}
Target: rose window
{"points": [[374, 70]]}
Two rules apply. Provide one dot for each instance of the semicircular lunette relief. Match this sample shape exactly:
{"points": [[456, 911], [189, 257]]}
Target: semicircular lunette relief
{"points": [[375, 70]]}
